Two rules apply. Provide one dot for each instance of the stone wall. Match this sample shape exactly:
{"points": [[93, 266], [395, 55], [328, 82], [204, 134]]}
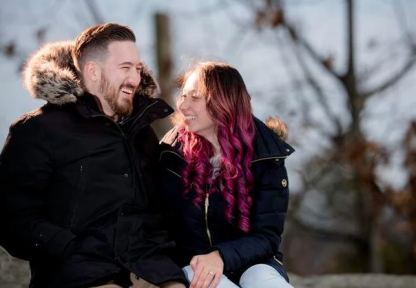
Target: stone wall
{"points": [[354, 281], [14, 273]]}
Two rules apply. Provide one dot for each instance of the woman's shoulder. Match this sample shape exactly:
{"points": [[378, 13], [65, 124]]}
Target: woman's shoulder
{"points": [[267, 144]]}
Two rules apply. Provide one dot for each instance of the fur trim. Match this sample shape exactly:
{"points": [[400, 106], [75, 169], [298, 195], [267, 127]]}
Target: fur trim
{"points": [[148, 85], [50, 74]]}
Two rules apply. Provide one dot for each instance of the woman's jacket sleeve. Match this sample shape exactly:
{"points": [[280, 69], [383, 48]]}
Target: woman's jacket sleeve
{"points": [[270, 202]]}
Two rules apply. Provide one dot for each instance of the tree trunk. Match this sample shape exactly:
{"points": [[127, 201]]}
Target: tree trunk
{"points": [[164, 69]]}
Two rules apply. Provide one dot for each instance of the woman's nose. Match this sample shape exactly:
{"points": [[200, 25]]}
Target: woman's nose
{"points": [[183, 104]]}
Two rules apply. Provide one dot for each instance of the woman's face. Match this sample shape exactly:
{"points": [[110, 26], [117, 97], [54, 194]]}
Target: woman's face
{"points": [[194, 109]]}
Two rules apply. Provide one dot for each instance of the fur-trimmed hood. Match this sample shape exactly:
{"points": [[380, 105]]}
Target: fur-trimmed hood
{"points": [[50, 74]]}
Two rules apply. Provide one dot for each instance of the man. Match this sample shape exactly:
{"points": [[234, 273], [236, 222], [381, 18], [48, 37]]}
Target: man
{"points": [[77, 175]]}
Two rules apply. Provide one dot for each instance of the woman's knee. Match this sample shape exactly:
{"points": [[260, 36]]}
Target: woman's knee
{"points": [[262, 275]]}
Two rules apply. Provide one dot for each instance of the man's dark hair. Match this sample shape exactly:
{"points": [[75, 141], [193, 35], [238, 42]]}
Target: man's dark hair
{"points": [[93, 42]]}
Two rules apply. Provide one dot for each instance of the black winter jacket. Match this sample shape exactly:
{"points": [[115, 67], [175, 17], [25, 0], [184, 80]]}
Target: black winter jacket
{"points": [[199, 230], [76, 188]]}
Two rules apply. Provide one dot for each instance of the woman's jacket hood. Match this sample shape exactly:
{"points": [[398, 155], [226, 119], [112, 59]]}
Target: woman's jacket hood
{"points": [[50, 74]]}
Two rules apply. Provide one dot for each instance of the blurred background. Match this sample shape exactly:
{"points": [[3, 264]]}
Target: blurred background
{"points": [[340, 73]]}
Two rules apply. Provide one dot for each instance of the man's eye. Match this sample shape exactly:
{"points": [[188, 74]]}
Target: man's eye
{"points": [[139, 69], [125, 68]]}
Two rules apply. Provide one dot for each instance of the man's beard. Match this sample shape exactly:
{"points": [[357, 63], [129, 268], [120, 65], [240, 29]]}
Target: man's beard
{"points": [[111, 95]]}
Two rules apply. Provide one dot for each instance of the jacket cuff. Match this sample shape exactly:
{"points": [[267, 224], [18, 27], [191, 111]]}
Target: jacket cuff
{"points": [[52, 239], [222, 249], [57, 244]]}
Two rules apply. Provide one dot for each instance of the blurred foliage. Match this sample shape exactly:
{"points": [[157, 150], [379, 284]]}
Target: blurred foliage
{"points": [[350, 164]]}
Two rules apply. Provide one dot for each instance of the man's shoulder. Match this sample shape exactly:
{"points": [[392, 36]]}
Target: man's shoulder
{"points": [[39, 116], [28, 117]]}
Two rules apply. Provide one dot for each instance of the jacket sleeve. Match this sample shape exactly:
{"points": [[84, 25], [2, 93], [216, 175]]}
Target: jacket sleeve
{"points": [[270, 202], [26, 165]]}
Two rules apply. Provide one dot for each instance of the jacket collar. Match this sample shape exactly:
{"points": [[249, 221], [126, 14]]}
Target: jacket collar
{"points": [[267, 145], [149, 109]]}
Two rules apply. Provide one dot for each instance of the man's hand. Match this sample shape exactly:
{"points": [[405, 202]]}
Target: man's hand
{"points": [[207, 269]]}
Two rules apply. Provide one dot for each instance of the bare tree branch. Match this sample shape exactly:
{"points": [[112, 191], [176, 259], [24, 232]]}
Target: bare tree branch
{"points": [[350, 42], [387, 59], [296, 80], [312, 53], [394, 78], [322, 100], [410, 62]]}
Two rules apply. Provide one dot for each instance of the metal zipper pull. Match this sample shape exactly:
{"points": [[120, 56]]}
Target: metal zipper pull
{"points": [[206, 218], [277, 260]]}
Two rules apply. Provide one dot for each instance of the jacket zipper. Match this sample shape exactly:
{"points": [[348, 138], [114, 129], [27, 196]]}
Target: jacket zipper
{"points": [[206, 203], [80, 188], [206, 218], [118, 127], [277, 260], [137, 165], [269, 158], [141, 114]]}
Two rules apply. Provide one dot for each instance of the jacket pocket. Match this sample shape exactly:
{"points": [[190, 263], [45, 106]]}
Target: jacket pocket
{"points": [[82, 179]]}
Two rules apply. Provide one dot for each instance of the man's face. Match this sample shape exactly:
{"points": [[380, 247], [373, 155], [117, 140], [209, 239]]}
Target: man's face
{"points": [[120, 77]]}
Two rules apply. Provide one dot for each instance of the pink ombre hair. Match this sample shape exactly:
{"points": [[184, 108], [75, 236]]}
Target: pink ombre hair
{"points": [[228, 104]]}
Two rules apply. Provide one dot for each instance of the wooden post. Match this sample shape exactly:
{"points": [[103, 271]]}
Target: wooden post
{"points": [[164, 69]]}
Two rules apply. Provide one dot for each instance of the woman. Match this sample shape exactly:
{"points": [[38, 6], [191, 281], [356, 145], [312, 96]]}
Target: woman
{"points": [[225, 184]]}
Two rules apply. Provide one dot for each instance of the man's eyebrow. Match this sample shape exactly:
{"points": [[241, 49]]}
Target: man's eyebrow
{"points": [[126, 63], [130, 64]]}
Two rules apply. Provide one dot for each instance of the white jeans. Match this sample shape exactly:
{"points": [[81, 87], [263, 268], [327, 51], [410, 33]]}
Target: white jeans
{"points": [[257, 276]]}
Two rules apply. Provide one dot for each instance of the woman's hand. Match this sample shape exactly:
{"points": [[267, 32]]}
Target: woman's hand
{"points": [[207, 269]]}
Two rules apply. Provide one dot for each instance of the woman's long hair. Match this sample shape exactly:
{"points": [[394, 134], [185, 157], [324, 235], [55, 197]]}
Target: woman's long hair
{"points": [[228, 105]]}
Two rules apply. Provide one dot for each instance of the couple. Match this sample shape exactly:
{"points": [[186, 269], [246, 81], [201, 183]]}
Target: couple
{"points": [[91, 199]]}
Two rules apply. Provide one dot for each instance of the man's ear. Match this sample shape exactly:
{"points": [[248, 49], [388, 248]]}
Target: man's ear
{"points": [[92, 71]]}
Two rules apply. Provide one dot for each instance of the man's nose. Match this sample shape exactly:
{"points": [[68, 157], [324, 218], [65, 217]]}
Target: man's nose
{"points": [[135, 77]]}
